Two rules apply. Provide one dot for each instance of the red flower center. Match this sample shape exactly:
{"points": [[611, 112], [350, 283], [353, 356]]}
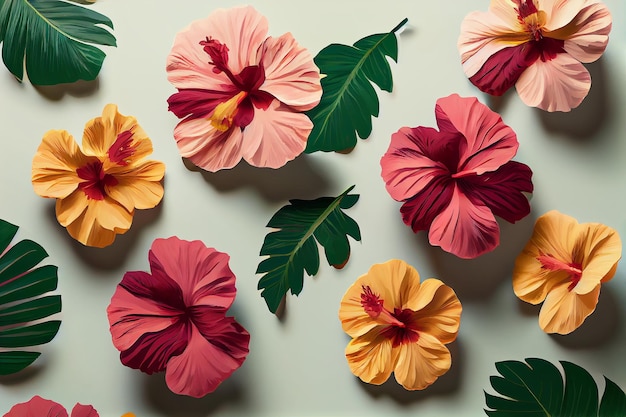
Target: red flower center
{"points": [[573, 269], [402, 327], [122, 149], [95, 180], [238, 108]]}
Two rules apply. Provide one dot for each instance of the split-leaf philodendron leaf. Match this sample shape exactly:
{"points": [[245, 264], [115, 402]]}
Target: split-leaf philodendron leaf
{"points": [[536, 388], [349, 100], [53, 39], [22, 287], [293, 249]]}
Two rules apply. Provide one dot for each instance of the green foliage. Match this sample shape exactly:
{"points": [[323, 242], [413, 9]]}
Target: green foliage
{"points": [[293, 249], [52, 37], [349, 99], [21, 300], [536, 388]]}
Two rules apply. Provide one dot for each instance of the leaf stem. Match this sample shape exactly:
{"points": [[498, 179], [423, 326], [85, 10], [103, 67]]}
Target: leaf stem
{"points": [[399, 26]]}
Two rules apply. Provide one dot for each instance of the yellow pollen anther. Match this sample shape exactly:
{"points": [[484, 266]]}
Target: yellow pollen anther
{"points": [[224, 113], [534, 24]]}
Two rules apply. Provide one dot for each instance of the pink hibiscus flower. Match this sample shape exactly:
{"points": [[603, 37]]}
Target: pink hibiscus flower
{"points": [[536, 45], [241, 94], [40, 407], [175, 318], [453, 181]]}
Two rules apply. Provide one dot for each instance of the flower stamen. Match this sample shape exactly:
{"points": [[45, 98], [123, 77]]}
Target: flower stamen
{"points": [[373, 306], [225, 112], [573, 269]]}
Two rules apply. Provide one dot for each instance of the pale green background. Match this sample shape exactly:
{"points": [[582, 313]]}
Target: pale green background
{"points": [[296, 366]]}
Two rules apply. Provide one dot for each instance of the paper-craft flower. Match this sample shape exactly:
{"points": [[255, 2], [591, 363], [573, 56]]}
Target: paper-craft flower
{"points": [[40, 407], [453, 181], [241, 94], [538, 46], [99, 187], [563, 266], [174, 319], [399, 325]]}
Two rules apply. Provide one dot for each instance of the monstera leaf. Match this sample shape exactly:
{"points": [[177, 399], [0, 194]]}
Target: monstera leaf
{"points": [[21, 300], [536, 388], [349, 99], [54, 38], [293, 249]]}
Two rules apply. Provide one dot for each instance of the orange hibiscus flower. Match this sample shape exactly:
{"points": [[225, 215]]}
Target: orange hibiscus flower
{"points": [[563, 266], [99, 187], [399, 325]]}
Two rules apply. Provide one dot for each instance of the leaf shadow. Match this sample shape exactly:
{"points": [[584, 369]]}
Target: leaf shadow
{"points": [[78, 89], [602, 326], [110, 257], [300, 178], [479, 278], [25, 375], [446, 385], [582, 123], [158, 396]]}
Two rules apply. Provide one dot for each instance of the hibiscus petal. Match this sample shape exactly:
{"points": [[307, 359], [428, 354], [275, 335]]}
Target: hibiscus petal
{"points": [[37, 407], [555, 235], [371, 357], [602, 249], [564, 311], [437, 310], [199, 103], [81, 410], [587, 35], [141, 304], [55, 163], [415, 159], [70, 208], [490, 142], [558, 84], [216, 348], [207, 147], [101, 132], [420, 364], [420, 212], [502, 190], [464, 229], [483, 34], [139, 187], [152, 351], [275, 136], [100, 223], [202, 273], [560, 13], [290, 74]]}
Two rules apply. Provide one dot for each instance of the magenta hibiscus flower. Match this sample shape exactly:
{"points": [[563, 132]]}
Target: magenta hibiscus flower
{"points": [[241, 94], [453, 181], [40, 407], [174, 320]]}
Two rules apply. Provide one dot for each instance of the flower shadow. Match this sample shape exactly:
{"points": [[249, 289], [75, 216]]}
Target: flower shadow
{"points": [[78, 89], [112, 256], [477, 279], [299, 178], [446, 385], [582, 123], [599, 328], [157, 395]]}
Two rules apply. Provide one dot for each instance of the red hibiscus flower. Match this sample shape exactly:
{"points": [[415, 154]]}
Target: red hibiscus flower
{"points": [[454, 180], [174, 319]]}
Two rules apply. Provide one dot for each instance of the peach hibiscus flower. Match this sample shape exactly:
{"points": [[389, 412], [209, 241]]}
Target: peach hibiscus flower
{"points": [[99, 187], [174, 319], [241, 94], [538, 46], [399, 325], [455, 180], [563, 265]]}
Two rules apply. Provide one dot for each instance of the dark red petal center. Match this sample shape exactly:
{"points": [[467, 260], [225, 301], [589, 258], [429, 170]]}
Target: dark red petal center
{"points": [[95, 180], [573, 269], [407, 333]]}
